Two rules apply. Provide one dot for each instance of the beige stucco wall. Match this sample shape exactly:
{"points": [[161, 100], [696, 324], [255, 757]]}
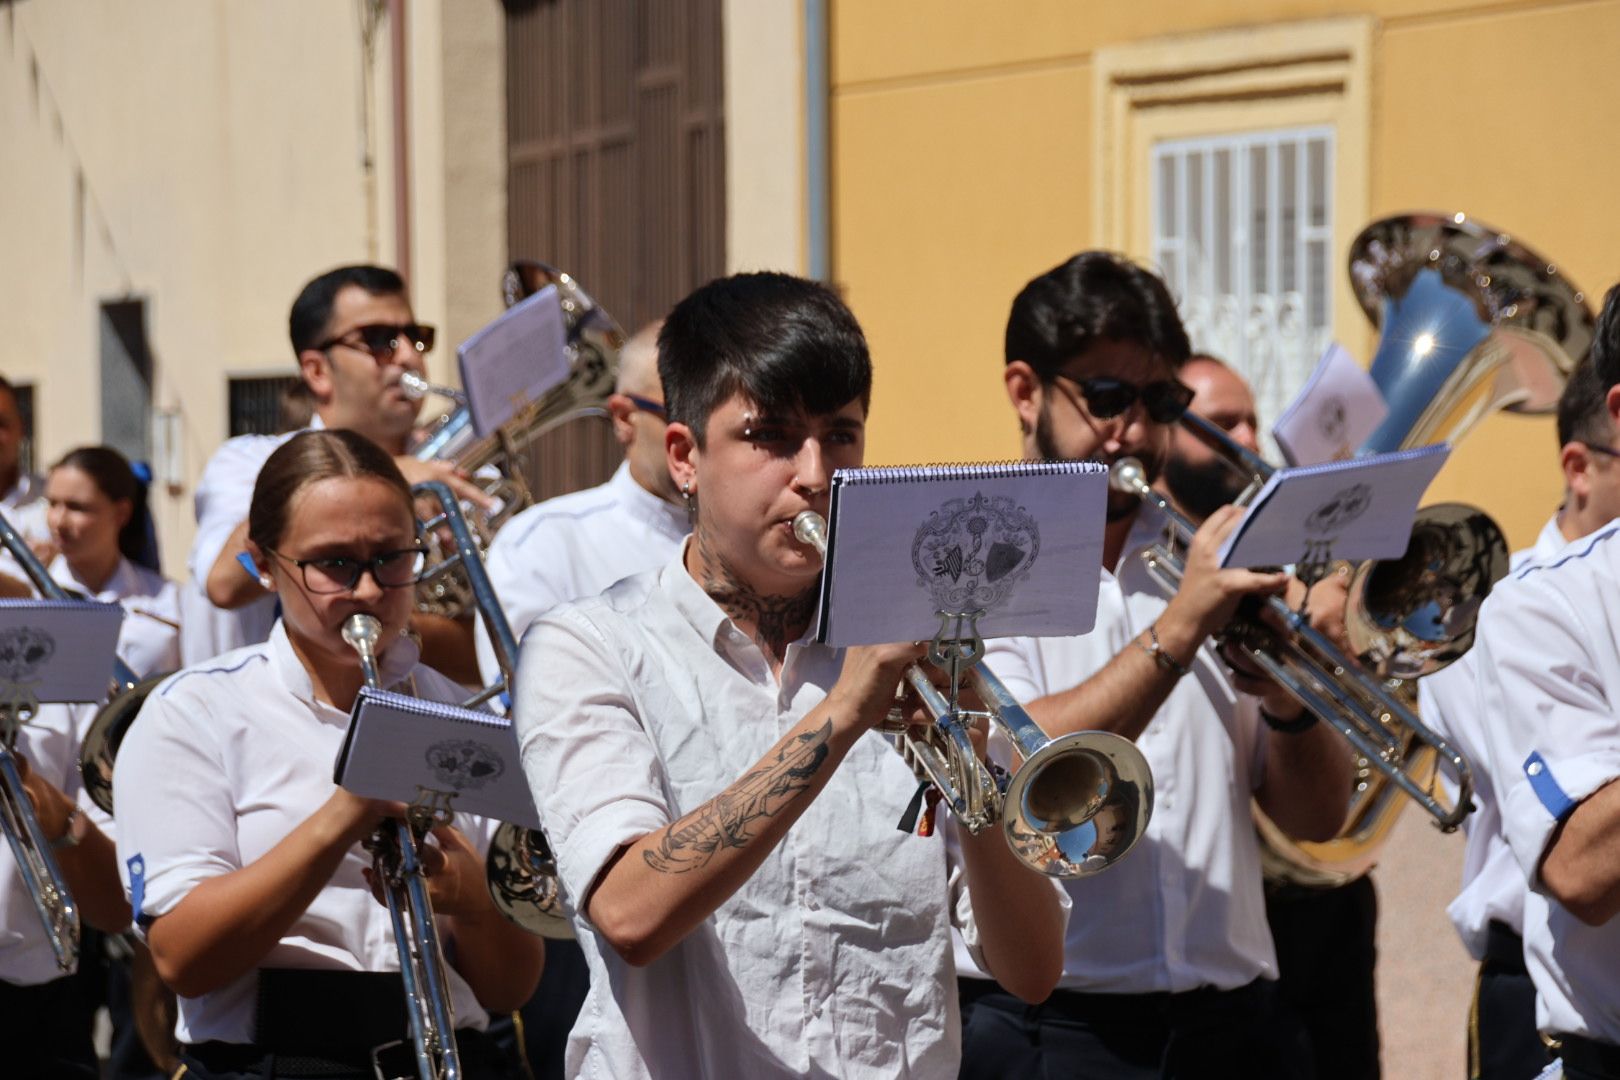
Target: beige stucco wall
{"points": [[964, 159], [223, 150]]}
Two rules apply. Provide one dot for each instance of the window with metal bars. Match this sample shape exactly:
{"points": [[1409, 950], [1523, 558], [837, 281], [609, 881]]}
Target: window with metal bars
{"points": [[1242, 231], [267, 405]]}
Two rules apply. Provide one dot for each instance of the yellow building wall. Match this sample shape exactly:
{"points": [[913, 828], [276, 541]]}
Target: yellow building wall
{"points": [[963, 164]]}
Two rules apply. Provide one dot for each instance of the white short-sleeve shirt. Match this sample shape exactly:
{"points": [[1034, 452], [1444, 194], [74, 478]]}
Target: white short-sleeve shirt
{"points": [[1186, 908], [1549, 679], [633, 709], [1492, 885], [575, 546], [223, 497], [51, 743], [24, 507], [226, 759]]}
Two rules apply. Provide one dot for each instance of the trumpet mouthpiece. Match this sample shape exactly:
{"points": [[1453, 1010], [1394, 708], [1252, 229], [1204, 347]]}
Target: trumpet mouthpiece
{"points": [[1128, 475], [810, 528], [416, 388], [361, 631]]}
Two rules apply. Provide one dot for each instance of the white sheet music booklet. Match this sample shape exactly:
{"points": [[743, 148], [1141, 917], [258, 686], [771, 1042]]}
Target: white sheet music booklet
{"points": [[1338, 407], [56, 650], [514, 359], [1357, 509], [401, 748], [1019, 544]]}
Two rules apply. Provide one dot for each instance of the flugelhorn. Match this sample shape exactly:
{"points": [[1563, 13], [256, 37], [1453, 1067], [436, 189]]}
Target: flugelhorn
{"points": [[396, 861], [1074, 806]]}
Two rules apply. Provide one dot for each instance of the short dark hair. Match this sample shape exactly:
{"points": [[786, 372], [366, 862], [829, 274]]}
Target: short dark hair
{"points": [[1583, 410], [308, 458], [117, 480], [1605, 354], [1095, 296], [781, 341], [312, 311]]}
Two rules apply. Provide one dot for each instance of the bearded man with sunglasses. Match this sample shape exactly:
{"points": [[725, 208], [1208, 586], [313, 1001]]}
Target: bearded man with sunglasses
{"points": [[1171, 972], [354, 336]]}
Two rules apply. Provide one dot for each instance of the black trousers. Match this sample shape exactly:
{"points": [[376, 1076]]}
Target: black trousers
{"points": [[1201, 1035], [1503, 1043], [45, 1030], [1588, 1059], [1326, 950], [540, 1033]]}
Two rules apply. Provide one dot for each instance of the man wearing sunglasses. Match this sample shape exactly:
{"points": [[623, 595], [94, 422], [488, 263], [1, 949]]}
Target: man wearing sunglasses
{"points": [[354, 336], [571, 548], [1169, 968]]}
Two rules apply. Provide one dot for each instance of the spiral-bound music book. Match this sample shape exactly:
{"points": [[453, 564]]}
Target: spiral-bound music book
{"points": [[1019, 543], [57, 650], [514, 359], [399, 746]]}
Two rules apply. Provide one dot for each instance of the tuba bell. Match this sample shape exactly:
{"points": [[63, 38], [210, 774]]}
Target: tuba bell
{"points": [[1471, 322]]}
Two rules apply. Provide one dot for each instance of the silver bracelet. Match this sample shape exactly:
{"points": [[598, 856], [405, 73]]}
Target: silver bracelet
{"points": [[1160, 654]]}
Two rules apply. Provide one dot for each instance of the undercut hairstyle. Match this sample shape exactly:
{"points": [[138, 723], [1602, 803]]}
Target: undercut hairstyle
{"points": [[781, 341], [118, 481], [308, 458], [1605, 354], [311, 315], [1583, 408], [1096, 296]]}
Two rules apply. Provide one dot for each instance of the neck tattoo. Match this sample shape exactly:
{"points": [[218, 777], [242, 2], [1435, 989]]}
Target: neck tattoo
{"points": [[777, 620]]}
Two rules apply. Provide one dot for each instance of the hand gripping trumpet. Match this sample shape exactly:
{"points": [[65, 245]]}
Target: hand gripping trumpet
{"points": [[1359, 704], [40, 874], [1074, 807], [396, 859]]}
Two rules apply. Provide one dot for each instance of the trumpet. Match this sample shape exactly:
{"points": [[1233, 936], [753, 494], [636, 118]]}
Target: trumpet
{"points": [[396, 859], [1073, 808], [521, 871], [1360, 705]]}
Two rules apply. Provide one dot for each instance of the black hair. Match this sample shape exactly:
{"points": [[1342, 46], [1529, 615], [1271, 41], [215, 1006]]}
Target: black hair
{"points": [[1605, 354], [1583, 410], [118, 480], [312, 312], [1095, 296], [781, 341], [307, 458]]}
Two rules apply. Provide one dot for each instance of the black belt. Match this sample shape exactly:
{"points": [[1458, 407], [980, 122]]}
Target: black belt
{"points": [[1589, 1055], [1101, 1009], [1504, 950], [393, 1059]]}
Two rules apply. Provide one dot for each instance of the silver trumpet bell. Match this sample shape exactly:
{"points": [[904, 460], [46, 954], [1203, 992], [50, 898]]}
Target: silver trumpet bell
{"points": [[1074, 806]]}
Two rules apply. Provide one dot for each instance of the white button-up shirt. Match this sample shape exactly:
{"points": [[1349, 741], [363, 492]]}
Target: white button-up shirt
{"points": [[1549, 679], [575, 546], [24, 507], [226, 759], [1492, 885], [51, 744], [1186, 908], [633, 709], [223, 497]]}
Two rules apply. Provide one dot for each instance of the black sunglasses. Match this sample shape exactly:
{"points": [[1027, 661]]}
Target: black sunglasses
{"points": [[382, 340], [340, 573], [1106, 397]]}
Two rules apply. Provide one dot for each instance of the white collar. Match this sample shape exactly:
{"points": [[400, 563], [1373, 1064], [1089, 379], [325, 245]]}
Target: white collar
{"points": [[125, 580], [397, 661], [659, 514]]}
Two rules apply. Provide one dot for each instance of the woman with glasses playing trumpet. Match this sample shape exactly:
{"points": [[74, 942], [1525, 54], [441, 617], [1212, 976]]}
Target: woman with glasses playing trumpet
{"points": [[241, 856], [96, 513]]}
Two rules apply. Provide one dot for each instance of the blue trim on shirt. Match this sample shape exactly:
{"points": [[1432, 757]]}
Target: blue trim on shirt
{"points": [[1591, 545], [1542, 782], [172, 683]]}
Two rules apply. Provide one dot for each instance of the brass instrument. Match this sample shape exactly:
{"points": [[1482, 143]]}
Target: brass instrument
{"points": [[1074, 806], [396, 860], [498, 461], [520, 869], [41, 876]]}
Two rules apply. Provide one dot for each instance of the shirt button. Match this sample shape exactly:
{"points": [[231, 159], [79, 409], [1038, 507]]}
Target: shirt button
{"points": [[812, 903]]}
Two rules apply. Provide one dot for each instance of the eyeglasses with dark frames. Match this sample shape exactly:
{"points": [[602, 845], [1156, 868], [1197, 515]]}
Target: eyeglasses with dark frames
{"points": [[341, 573], [1598, 448], [1165, 400], [648, 405], [382, 340]]}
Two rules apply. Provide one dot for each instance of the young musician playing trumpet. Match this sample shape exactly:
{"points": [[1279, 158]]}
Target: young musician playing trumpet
{"points": [[722, 826], [242, 857]]}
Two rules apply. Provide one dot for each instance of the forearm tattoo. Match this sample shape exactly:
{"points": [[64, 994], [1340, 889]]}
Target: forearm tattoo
{"points": [[733, 817], [778, 620]]}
